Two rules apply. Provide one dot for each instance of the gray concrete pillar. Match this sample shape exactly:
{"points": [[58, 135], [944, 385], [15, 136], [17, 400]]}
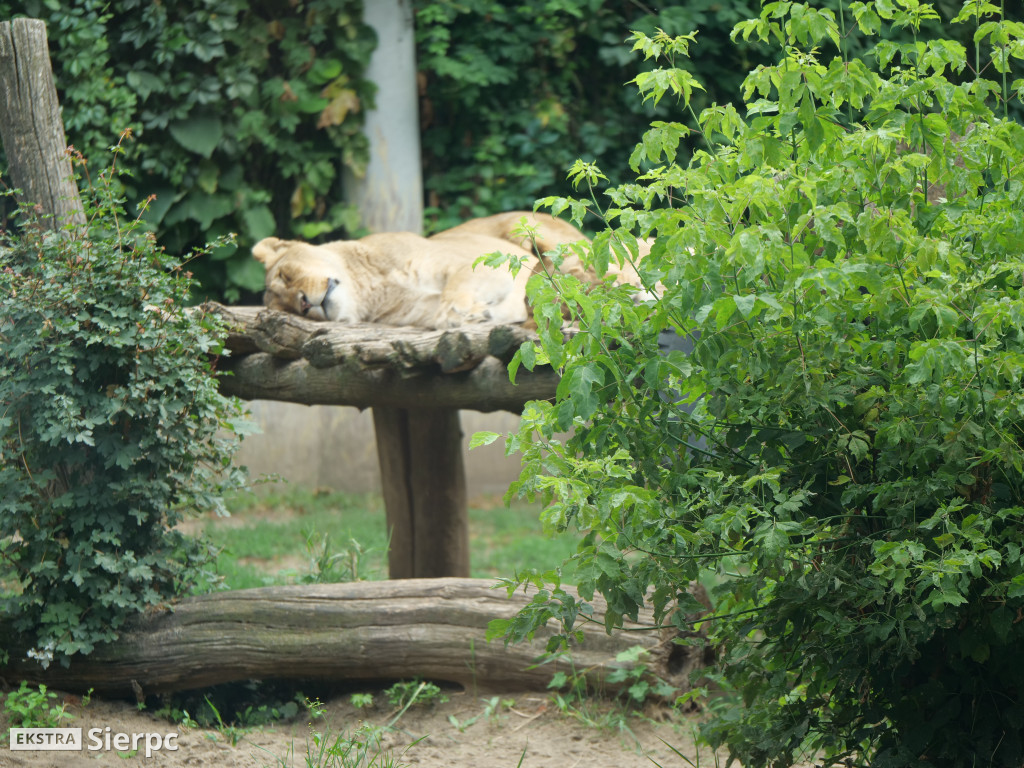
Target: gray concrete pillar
{"points": [[390, 196]]}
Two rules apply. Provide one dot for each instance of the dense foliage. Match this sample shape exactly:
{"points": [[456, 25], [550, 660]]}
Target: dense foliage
{"points": [[842, 449], [111, 430], [245, 115], [513, 93]]}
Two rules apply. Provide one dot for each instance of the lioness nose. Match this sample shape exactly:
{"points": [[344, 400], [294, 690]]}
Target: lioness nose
{"points": [[304, 303]]}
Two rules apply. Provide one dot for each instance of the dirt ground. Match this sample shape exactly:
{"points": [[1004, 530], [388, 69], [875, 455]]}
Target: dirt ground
{"points": [[532, 732]]}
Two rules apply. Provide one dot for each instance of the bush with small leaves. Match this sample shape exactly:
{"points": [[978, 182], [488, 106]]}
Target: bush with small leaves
{"points": [[112, 428]]}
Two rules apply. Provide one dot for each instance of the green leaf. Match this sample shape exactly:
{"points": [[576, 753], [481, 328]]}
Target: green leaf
{"points": [[246, 272], [580, 386], [745, 304], [482, 438], [259, 222], [199, 135], [497, 628]]}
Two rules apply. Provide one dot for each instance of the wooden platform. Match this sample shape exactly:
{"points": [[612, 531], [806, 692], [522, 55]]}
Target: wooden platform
{"points": [[416, 381]]}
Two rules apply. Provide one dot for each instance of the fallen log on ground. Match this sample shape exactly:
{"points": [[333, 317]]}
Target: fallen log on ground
{"points": [[363, 631]]}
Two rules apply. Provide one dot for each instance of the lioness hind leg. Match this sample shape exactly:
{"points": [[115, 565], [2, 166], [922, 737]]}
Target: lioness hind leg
{"points": [[484, 295], [460, 311]]}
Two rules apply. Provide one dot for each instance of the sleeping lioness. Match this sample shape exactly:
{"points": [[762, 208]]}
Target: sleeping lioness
{"points": [[399, 278]]}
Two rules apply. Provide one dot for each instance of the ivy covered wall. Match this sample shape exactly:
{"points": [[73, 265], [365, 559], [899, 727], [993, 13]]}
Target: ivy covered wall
{"points": [[243, 114]]}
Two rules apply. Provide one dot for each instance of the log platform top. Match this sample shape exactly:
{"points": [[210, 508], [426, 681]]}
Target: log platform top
{"points": [[278, 356]]}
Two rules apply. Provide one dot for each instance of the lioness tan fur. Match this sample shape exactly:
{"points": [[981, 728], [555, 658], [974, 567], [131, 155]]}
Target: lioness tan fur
{"points": [[399, 278]]}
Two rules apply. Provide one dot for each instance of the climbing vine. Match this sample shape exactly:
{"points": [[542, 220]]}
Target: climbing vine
{"points": [[244, 115]]}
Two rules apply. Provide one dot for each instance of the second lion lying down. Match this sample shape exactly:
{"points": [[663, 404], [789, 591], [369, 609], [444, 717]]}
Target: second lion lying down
{"points": [[399, 278]]}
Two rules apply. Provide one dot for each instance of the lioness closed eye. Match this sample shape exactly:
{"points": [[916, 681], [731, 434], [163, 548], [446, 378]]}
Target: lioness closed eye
{"points": [[399, 278]]}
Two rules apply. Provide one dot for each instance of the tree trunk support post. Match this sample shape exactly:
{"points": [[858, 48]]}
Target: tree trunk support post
{"points": [[416, 382], [420, 450], [31, 125], [424, 487]]}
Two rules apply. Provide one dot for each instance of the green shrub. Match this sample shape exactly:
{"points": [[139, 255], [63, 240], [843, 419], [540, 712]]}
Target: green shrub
{"points": [[843, 447], [513, 93], [111, 429]]}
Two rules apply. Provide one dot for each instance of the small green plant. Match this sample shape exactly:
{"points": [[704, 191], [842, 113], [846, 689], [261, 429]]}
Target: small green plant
{"points": [[326, 567], [177, 716], [574, 697], [636, 671], [492, 711], [569, 690], [361, 748], [233, 709], [695, 761], [316, 709], [231, 732], [407, 693], [256, 716], [361, 700], [495, 706], [30, 707]]}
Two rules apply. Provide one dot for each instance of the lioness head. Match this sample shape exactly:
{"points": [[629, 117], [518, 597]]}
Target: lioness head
{"points": [[308, 280]]}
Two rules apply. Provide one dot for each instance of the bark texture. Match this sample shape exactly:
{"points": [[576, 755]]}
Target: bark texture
{"points": [[31, 125], [385, 630], [423, 480], [278, 356]]}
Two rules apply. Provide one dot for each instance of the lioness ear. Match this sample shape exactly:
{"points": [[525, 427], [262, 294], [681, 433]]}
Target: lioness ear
{"points": [[268, 250]]}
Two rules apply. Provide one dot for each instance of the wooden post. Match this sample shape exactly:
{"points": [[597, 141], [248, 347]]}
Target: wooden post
{"points": [[31, 126], [424, 486]]}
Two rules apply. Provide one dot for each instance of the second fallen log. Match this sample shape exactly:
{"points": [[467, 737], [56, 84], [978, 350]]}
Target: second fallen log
{"points": [[429, 628]]}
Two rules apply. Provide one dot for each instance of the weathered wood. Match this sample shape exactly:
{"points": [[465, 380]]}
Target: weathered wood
{"points": [[424, 487], [292, 337], [31, 125], [484, 388], [416, 381], [431, 628], [277, 356]]}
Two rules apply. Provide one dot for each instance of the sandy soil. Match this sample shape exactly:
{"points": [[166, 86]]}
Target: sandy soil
{"points": [[532, 731]]}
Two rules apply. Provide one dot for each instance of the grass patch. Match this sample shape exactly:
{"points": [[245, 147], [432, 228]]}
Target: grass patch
{"points": [[283, 538]]}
